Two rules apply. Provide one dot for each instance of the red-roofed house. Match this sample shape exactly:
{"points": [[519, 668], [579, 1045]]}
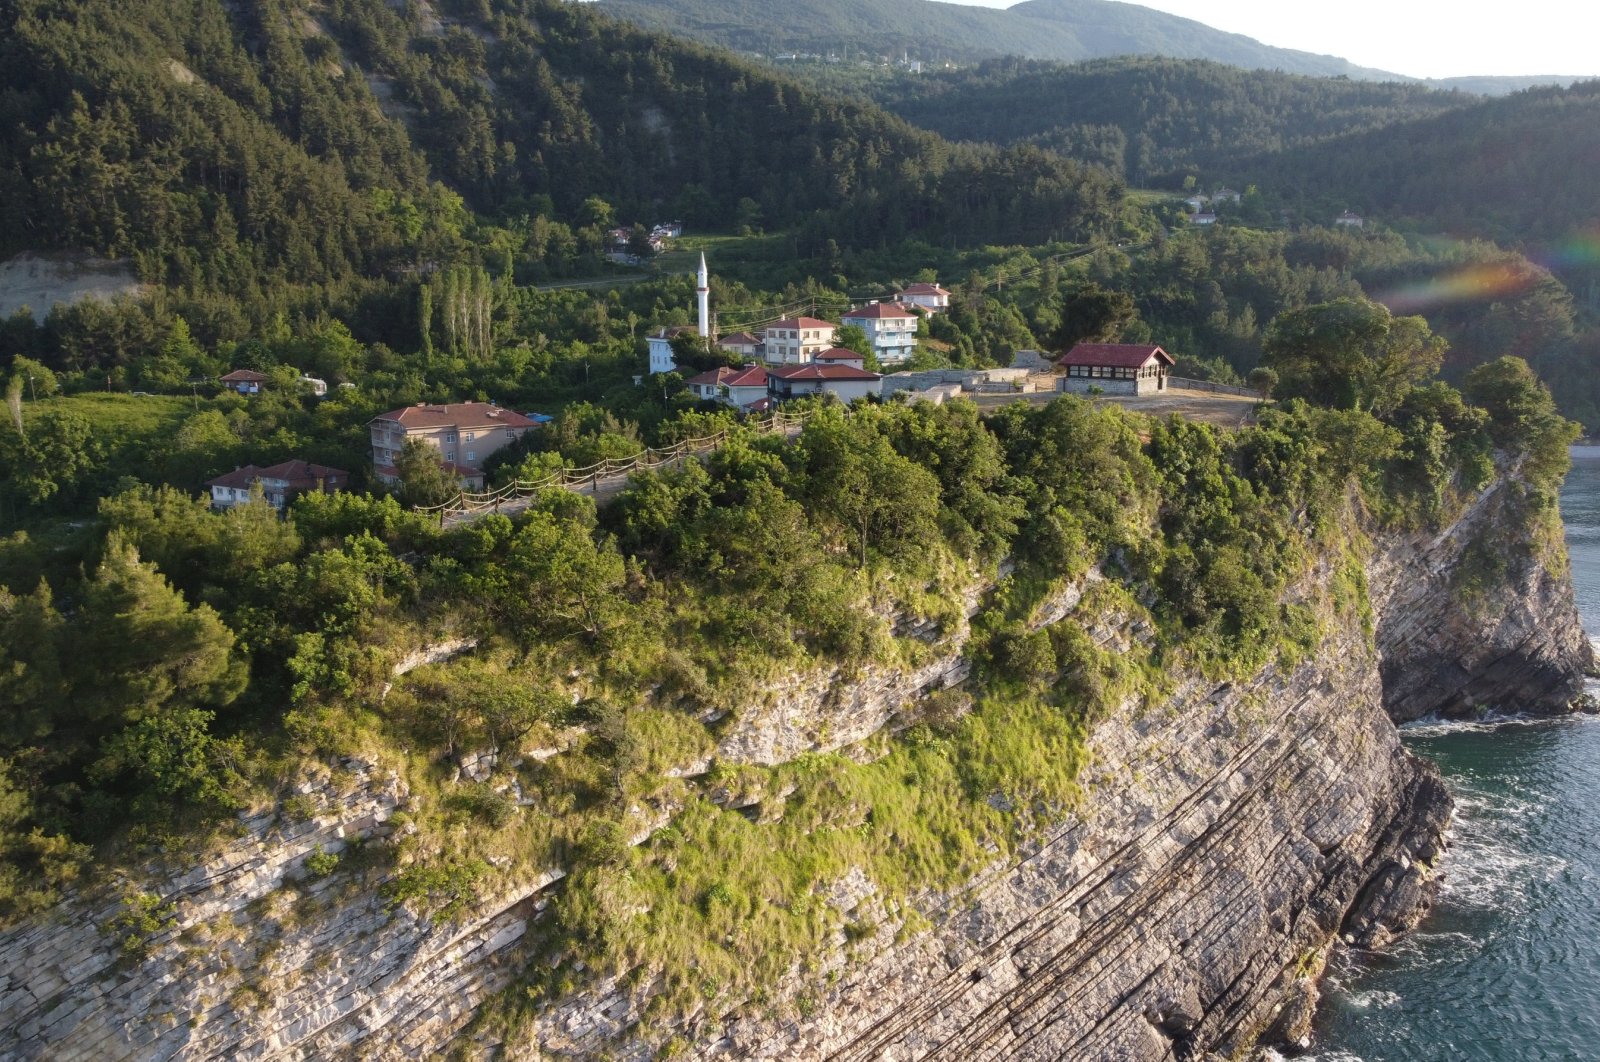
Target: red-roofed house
{"points": [[930, 297], [245, 381], [280, 483], [744, 344], [841, 381], [464, 433], [1115, 368], [840, 356], [796, 340], [733, 387], [890, 328]]}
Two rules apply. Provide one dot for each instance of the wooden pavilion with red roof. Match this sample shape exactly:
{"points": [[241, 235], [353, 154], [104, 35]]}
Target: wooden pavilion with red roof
{"points": [[1114, 369]]}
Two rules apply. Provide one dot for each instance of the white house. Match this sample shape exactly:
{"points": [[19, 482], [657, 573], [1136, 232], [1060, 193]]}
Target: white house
{"points": [[841, 381], [244, 381], [731, 387], [318, 387], [796, 340], [930, 297], [660, 342], [745, 344], [840, 356], [1225, 195], [280, 483], [1205, 217], [1349, 220], [890, 328]]}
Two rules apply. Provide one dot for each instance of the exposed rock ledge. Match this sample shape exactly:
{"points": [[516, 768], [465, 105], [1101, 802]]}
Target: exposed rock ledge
{"points": [[1227, 839], [1518, 647]]}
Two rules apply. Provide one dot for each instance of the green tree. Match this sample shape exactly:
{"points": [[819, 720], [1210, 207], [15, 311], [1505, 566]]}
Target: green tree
{"points": [[854, 337], [424, 479], [1092, 314], [152, 652], [1351, 354]]}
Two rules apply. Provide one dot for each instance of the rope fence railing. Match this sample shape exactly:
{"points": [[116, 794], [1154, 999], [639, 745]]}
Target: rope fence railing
{"points": [[589, 477]]}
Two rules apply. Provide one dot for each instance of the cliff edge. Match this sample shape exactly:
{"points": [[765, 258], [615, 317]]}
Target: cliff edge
{"points": [[1227, 837], [1480, 617]]}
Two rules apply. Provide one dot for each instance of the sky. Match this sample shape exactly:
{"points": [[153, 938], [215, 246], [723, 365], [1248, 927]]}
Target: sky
{"points": [[1421, 38]]}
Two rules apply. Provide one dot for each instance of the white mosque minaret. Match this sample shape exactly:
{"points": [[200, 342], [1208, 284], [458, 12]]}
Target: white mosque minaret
{"points": [[661, 341], [702, 293]]}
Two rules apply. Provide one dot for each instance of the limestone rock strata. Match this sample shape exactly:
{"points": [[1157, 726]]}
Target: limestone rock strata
{"points": [[1454, 652], [1226, 838]]}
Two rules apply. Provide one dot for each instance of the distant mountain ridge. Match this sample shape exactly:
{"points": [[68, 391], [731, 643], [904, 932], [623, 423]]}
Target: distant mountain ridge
{"points": [[1065, 30], [1061, 30]]}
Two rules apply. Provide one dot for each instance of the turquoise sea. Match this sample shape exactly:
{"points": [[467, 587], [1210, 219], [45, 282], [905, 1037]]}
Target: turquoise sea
{"points": [[1507, 966]]}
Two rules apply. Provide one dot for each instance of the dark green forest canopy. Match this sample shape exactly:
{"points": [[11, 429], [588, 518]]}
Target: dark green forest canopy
{"points": [[259, 145], [1517, 170], [1152, 119]]}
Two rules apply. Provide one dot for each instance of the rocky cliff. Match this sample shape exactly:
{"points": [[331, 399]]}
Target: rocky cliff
{"points": [[1226, 838], [1478, 618]]}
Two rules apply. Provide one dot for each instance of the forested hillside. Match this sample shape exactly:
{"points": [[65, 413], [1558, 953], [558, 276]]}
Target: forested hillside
{"points": [[1151, 118], [1065, 30], [268, 156], [1514, 169]]}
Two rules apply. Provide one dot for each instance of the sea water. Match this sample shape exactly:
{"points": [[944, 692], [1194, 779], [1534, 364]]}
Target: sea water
{"points": [[1507, 965]]}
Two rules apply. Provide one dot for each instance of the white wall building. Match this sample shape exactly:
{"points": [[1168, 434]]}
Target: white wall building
{"points": [[890, 328], [796, 340], [841, 381], [930, 297]]}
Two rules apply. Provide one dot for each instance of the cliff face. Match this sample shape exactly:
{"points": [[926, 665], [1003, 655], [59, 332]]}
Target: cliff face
{"points": [[1226, 838], [1455, 640]]}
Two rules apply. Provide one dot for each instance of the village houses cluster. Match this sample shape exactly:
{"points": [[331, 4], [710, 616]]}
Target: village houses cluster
{"points": [[790, 358]]}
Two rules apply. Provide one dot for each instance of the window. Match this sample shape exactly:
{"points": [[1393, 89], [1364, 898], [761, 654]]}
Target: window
{"points": [[472, 455], [449, 455], [449, 436], [468, 437], [511, 433]]}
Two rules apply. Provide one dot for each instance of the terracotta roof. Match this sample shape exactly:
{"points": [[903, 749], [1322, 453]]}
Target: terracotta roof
{"points": [[802, 322], [300, 475], [823, 371], [878, 311], [239, 478], [724, 375], [742, 339], [245, 376], [456, 415], [1116, 355], [839, 354], [760, 405], [924, 289], [674, 331]]}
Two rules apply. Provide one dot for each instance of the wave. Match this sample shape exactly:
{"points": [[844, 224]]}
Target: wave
{"points": [[1431, 725]]}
